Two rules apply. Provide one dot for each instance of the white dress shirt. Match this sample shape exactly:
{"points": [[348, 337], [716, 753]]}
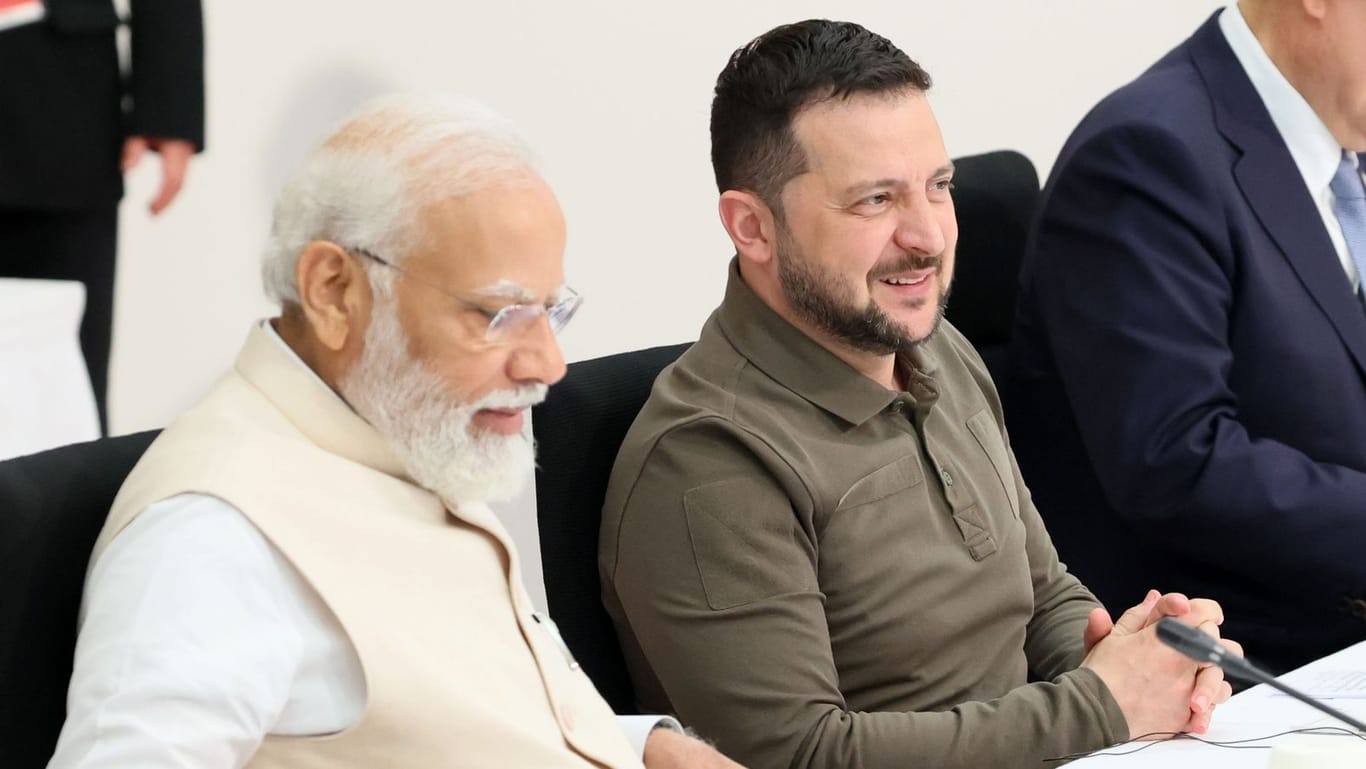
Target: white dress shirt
{"points": [[1315, 151], [198, 638]]}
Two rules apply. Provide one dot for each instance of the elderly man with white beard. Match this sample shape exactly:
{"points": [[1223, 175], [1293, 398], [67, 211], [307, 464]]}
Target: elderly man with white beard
{"points": [[302, 571]]}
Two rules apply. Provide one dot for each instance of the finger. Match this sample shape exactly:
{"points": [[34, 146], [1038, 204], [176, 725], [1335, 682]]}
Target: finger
{"points": [[1209, 687], [134, 147], [1233, 646], [1212, 630], [1169, 605], [1098, 625], [1204, 610], [173, 166], [1136, 617], [1209, 628], [1199, 722]]}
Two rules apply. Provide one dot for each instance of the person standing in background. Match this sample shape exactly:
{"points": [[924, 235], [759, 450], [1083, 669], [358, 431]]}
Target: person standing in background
{"points": [[72, 123]]}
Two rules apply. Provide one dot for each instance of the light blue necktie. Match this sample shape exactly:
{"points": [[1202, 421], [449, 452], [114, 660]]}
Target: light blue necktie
{"points": [[1350, 206]]}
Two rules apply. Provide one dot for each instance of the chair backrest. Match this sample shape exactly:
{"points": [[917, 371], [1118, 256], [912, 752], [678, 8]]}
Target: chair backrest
{"points": [[994, 196], [578, 430], [52, 506]]}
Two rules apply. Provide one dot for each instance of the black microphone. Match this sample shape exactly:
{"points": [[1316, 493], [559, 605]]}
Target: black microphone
{"points": [[1202, 647]]}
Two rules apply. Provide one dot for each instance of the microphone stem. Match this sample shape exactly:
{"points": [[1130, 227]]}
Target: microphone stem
{"points": [[1194, 644]]}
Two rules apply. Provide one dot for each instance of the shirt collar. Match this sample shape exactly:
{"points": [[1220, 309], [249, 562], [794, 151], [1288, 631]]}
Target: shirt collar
{"points": [[1311, 144], [315, 409], [803, 365], [294, 356]]}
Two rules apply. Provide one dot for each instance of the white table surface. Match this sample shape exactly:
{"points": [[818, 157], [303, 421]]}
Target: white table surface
{"points": [[45, 395], [1258, 712]]}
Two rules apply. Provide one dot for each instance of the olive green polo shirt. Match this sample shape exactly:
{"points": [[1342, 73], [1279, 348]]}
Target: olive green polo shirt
{"points": [[815, 571]]}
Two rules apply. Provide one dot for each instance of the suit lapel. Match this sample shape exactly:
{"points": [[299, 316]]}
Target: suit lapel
{"points": [[1269, 179]]}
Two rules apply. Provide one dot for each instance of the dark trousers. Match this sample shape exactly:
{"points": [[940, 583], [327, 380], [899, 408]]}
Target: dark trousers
{"points": [[70, 245]]}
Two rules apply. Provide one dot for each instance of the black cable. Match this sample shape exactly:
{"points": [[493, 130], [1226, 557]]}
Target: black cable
{"points": [[1229, 744]]}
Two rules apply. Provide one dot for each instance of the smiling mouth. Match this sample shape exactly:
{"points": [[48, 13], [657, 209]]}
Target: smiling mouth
{"points": [[909, 270], [907, 281], [909, 278]]}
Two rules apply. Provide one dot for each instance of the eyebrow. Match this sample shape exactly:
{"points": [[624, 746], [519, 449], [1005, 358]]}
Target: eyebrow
{"points": [[861, 187], [506, 289]]}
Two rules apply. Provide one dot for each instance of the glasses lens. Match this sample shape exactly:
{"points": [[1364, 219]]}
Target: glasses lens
{"points": [[563, 311], [516, 320], [512, 321]]}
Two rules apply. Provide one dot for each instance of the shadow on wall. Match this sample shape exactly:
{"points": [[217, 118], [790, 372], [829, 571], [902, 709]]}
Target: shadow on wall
{"points": [[315, 106]]}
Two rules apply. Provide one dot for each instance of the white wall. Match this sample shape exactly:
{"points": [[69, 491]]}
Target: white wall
{"points": [[614, 95]]}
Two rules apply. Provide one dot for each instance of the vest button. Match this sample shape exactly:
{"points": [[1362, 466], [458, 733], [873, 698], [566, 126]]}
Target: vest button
{"points": [[567, 717]]}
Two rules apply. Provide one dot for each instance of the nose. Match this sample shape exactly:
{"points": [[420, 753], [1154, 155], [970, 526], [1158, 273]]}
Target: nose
{"points": [[919, 231], [538, 358]]}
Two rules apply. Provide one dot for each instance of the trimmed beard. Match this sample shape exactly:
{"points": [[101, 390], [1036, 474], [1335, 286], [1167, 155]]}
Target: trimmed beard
{"points": [[824, 298], [429, 428]]}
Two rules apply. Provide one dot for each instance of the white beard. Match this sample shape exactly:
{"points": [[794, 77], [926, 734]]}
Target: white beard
{"points": [[429, 428]]}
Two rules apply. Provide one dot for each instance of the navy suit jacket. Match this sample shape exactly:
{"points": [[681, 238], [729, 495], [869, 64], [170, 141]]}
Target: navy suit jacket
{"points": [[1188, 394]]}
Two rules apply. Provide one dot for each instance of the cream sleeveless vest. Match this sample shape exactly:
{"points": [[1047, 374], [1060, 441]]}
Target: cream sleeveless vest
{"points": [[458, 671]]}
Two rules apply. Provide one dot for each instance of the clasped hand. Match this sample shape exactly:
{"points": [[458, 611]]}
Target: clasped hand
{"points": [[1158, 689]]}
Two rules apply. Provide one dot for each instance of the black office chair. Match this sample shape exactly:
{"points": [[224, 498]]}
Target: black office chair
{"points": [[52, 506], [994, 195], [578, 430]]}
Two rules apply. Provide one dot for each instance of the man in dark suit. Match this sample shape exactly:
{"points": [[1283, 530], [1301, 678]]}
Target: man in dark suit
{"points": [[1189, 395], [71, 124]]}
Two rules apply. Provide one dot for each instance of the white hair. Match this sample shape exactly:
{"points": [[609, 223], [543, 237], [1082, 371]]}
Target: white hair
{"points": [[368, 183]]}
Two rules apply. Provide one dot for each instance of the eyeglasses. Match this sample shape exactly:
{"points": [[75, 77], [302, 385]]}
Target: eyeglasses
{"points": [[510, 322]]}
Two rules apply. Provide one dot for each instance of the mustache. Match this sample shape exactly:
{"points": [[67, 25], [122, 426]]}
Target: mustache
{"points": [[905, 263], [522, 397]]}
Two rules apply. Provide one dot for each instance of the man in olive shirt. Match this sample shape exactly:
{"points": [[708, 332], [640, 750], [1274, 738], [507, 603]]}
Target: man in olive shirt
{"points": [[816, 544]]}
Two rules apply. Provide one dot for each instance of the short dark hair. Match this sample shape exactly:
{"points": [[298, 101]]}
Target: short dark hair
{"points": [[770, 80]]}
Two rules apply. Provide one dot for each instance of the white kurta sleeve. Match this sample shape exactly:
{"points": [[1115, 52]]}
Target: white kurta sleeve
{"points": [[187, 651]]}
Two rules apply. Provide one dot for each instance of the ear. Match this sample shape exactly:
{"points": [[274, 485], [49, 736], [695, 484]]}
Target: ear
{"points": [[334, 293], [750, 224]]}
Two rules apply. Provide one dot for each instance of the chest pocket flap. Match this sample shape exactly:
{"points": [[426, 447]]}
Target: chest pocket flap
{"points": [[883, 482], [983, 427]]}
